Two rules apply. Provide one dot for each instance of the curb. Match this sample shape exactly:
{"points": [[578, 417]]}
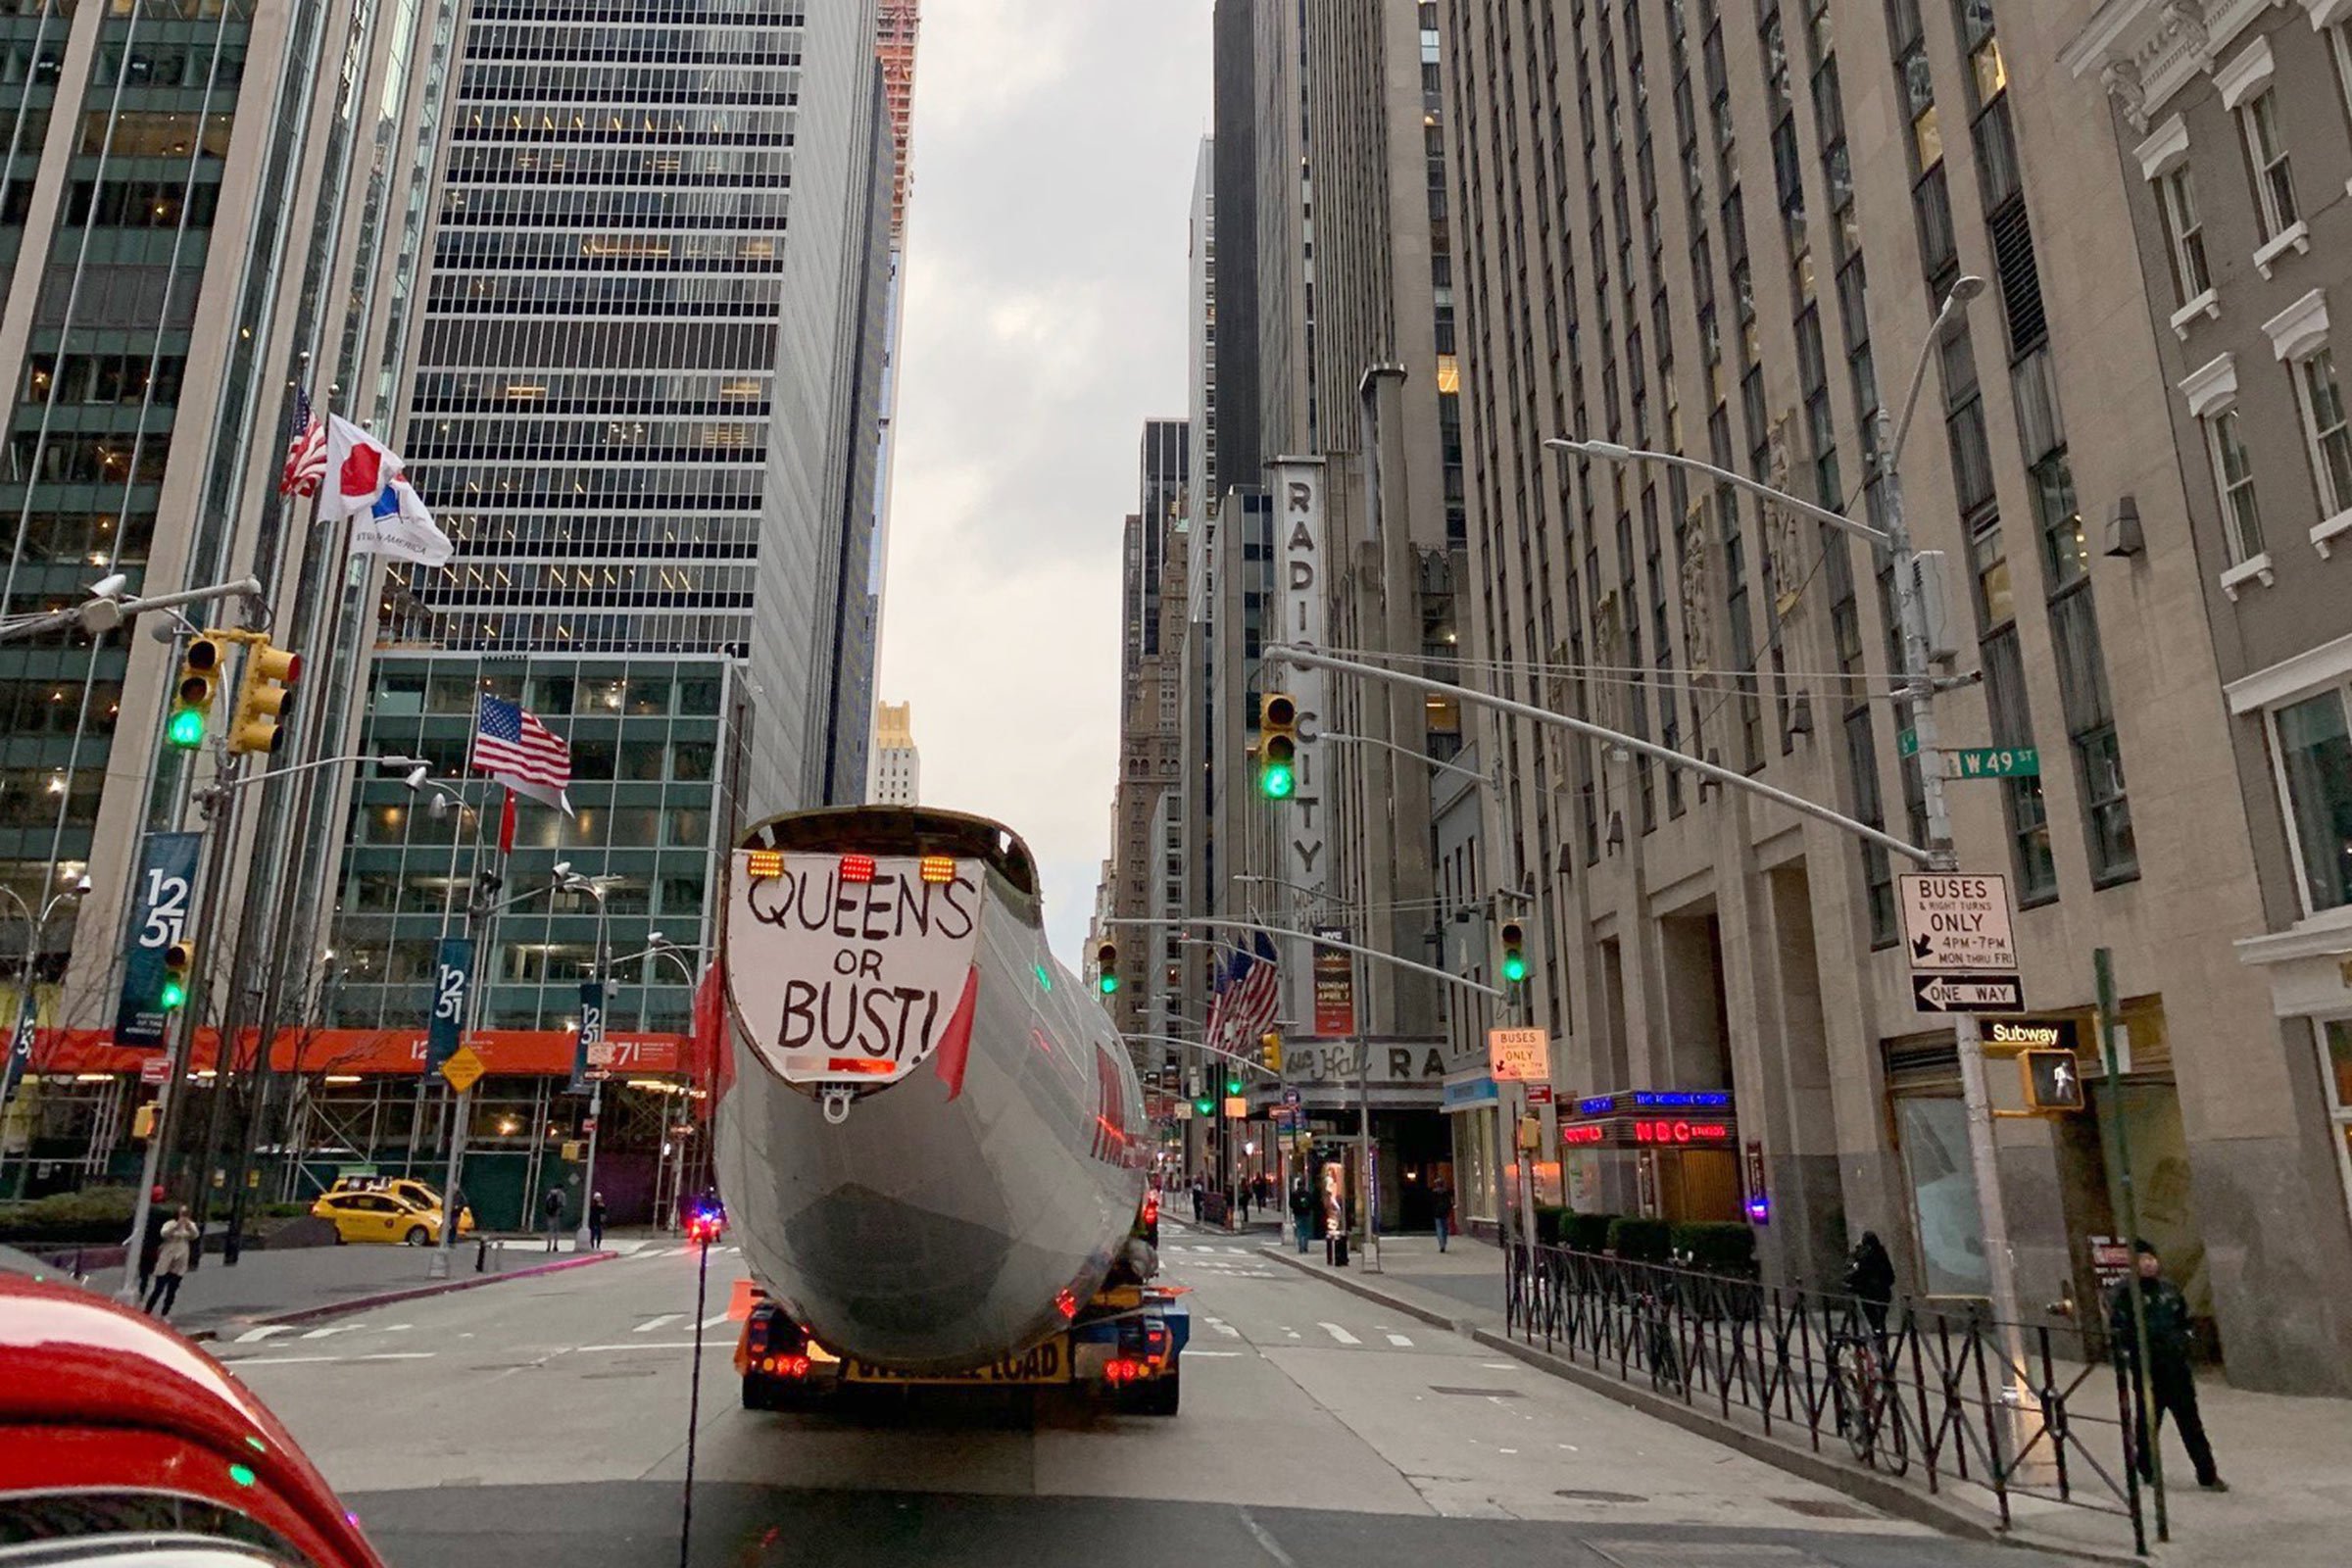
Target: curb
{"points": [[362, 1303], [1885, 1494]]}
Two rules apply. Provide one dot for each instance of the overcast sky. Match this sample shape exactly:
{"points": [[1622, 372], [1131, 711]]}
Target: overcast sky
{"points": [[1054, 149]]}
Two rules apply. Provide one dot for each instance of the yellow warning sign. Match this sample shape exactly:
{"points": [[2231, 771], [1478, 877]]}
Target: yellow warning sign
{"points": [[461, 1070]]}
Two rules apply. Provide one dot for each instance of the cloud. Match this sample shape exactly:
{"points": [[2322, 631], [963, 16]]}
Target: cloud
{"points": [[1054, 148]]}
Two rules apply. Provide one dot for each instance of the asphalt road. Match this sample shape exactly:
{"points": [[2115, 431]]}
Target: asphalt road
{"points": [[543, 1423]]}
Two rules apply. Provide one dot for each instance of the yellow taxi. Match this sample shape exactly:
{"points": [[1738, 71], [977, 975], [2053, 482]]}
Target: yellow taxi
{"points": [[384, 1214]]}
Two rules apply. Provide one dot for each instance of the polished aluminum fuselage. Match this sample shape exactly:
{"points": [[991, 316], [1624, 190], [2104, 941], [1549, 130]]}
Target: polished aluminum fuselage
{"points": [[937, 1227]]}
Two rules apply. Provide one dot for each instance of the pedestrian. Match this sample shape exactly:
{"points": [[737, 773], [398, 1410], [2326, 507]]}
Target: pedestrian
{"points": [[1303, 1209], [595, 1221], [1441, 1199], [1244, 1197], [1199, 1197], [143, 1246], [171, 1263], [1870, 1280], [551, 1208], [2171, 1387]]}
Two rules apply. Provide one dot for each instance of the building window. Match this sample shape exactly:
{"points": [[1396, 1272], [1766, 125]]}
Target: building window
{"points": [[2322, 403], [2340, 45], [2266, 155], [2314, 765], [2234, 474], [2192, 277]]}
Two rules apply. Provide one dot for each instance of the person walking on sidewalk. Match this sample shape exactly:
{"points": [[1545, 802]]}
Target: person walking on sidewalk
{"points": [[551, 1212], [1242, 1193], [1440, 1199], [143, 1247], [1303, 1210], [2171, 1387], [1199, 1197], [595, 1222], [177, 1245]]}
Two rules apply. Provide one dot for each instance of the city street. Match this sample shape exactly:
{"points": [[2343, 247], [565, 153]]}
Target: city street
{"points": [[543, 1421]]}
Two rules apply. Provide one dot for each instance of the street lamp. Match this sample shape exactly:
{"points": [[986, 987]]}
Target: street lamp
{"points": [[596, 886], [1918, 689], [18, 1058]]}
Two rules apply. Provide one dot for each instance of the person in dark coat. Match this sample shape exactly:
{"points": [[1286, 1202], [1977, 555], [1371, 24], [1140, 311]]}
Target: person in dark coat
{"points": [[151, 1240], [595, 1221], [551, 1210], [1441, 1203], [1870, 1280], [2171, 1387], [1303, 1209]]}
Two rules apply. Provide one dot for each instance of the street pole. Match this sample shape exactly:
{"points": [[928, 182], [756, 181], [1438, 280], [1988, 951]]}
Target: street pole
{"points": [[596, 1076]]}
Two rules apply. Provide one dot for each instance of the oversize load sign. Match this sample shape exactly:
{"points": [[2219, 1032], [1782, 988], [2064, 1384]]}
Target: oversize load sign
{"points": [[1518, 1056], [1957, 924], [845, 981]]}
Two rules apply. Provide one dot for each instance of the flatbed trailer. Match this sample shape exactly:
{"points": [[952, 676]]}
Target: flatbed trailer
{"points": [[1125, 1345]]}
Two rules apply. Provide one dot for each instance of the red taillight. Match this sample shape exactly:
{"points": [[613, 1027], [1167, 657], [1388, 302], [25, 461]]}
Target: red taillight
{"points": [[858, 1064], [1151, 1208], [1126, 1371], [792, 1366], [857, 869], [1066, 1303]]}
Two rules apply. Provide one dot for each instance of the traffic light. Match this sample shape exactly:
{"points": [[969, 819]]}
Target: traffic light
{"points": [[1107, 967], [1203, 1105], [142, 1121], [1278, 746], [1271, 1043], [1233, 1080], [1514, 950], [177, 960], [262, 697], [2053, 1079], [198, 684]]}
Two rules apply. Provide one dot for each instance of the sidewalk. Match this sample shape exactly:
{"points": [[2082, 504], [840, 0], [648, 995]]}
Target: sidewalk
{"points": [[216, 1299], [2289, 1460]]}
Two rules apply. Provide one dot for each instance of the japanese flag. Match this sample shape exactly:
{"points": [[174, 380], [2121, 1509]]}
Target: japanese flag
{"points": [[360, 470]]}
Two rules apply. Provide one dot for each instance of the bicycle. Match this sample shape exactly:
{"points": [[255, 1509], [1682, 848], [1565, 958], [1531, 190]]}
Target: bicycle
{"points": [[1869, 1401]]}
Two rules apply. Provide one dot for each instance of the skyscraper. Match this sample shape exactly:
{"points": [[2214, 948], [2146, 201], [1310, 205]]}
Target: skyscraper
{"points": [[898, 764]]}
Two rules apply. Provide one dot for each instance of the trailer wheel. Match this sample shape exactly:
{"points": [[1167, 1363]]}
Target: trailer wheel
{"points": [[1159, 1396]]}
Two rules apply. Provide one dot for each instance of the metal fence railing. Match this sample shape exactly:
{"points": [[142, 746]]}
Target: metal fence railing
{"points": [[1907, 1389]]}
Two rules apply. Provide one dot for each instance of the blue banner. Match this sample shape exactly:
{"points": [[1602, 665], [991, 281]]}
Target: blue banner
{"points": [[18, 1060], [165, 893], [453, 987], [588, 1060]]}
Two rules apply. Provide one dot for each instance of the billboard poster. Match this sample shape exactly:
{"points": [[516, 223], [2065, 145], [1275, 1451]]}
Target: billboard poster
{"points": [[591, 1058], [1334, 984], [165, 891]]}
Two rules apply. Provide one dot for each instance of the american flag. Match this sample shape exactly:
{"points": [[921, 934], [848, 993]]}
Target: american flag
{"points": [[1245, 997], [306, 450], [513, 748]]}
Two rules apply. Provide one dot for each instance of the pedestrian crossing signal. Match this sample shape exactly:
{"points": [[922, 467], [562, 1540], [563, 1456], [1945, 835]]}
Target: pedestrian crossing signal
{"points": [[2053, 1080]]}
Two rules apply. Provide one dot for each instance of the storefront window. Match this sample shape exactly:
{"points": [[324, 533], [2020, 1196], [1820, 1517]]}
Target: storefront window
{"points": [[1944, 1196], [2315, 752]]}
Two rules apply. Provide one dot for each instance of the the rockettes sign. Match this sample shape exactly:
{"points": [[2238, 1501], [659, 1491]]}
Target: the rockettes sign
{"points": [[1301, 823]]}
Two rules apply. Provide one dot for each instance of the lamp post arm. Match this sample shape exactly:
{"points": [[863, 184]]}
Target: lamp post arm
{"points": [[1611, 451], [1730, 777]]}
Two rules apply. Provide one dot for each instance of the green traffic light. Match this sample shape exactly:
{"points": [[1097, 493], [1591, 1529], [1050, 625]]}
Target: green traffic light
{"points": [[174, 994], [1109, 983], [1514, 968], [1276, 781], [186, 729], [1204, 1104], [1233, 1086]]}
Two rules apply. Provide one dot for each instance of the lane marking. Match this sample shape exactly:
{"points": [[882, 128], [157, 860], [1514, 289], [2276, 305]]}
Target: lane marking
{"points": [[659, 1344], [301, 1361], [1400, 1339], [1500, 1366], [1273, 1547], [1340, 1334], [256, 1336], [714, 1322], [336, 1328], [1215, 1356], [652, 1323], [1222, 1327]]}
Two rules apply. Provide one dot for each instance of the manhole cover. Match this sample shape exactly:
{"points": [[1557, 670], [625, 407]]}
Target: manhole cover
{"points": [[1575, 1495], [1823, 1508], [1478, 1394]]}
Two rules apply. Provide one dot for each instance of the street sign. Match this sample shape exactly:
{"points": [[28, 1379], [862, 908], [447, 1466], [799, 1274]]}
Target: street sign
{"points": [[1538, 1093], [1183, 1111], [1957, 924], [1907, 743], [2012, 1035], [1995, 761], [1237, 1107], [2053, 1080], [1515, 1055], [1968, 993], [464, 1070], [155, 1071]]}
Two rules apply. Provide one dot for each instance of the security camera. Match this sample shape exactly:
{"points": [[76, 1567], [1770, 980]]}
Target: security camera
{"points": [[82, 883], [109, 586]]}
